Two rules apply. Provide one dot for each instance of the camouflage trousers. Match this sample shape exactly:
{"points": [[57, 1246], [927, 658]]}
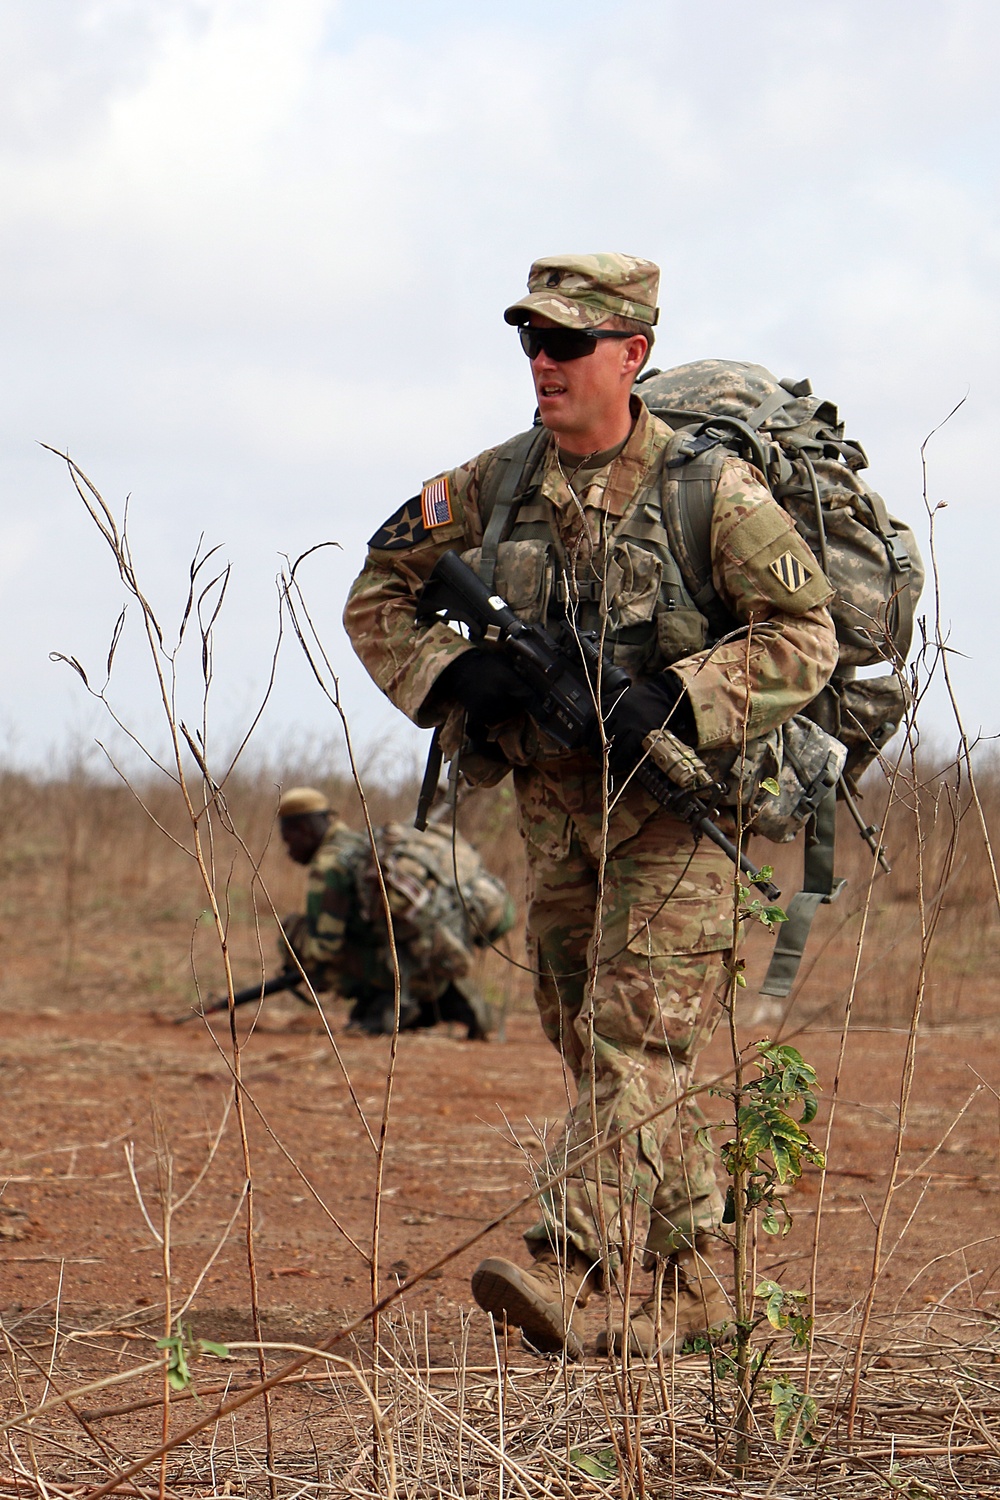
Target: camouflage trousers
{"points": [[629, 1028]]}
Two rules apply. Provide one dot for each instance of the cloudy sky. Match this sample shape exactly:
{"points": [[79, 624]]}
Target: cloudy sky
{"points": [[254, 255]]}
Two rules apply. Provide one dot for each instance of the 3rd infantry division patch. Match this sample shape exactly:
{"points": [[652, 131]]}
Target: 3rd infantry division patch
{"points": [[791, 571]]}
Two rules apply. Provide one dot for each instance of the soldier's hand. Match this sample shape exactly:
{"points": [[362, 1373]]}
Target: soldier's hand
{"points": [[488, 688], [644, 706]]}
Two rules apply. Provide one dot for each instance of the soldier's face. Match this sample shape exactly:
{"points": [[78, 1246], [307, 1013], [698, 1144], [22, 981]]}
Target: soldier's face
{"points": [[577, 396], [303, 835]]}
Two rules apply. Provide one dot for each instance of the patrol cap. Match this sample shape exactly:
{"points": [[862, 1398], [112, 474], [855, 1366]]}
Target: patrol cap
{"points": [[580, 291], [299, 800]]}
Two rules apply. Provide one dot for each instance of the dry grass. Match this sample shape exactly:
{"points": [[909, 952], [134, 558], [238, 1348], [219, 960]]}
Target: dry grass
{"points": [[83, 863], [516, 1427], [102, 910]]}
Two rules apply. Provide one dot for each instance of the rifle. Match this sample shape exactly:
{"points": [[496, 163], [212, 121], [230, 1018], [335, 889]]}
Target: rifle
{"points": [[563, 671], [288, 979]]}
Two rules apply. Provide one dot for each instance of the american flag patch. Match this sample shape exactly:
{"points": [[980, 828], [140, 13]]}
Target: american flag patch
{"points": [[791, 571], [435, 502]]}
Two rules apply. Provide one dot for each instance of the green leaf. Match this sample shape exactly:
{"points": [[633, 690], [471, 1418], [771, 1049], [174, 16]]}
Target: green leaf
{"points": [[178, 1372], [206, 1346], [793, 1411], [603, 1466], [774, 1300], [770, 785], [179, 1346], [787, 1131]]}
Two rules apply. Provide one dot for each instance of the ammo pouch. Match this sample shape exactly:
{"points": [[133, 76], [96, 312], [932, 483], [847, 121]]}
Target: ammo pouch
{"points": [[802, 758], [523, 576]]}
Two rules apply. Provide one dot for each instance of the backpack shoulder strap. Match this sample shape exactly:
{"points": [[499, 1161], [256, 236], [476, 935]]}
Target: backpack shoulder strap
{"points": [[509, 478], [688, 498]]}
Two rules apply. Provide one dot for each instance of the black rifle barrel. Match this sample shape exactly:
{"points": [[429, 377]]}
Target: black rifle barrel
{"points": [[288, 979]]}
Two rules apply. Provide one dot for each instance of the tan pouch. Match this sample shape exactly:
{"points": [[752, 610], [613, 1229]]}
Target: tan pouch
{"points": [[633, 585], [523, 576]]}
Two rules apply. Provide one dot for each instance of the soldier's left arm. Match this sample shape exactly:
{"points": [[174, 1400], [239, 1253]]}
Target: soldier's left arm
{"points": [[405, 660], [774, 587]]}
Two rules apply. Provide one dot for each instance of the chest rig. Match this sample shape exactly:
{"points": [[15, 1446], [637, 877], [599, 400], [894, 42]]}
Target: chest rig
{"points": [[631, 586]]}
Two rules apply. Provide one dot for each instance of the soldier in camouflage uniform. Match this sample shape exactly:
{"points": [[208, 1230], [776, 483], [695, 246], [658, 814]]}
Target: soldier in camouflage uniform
{"points": [[330, 939], [341, 938], [629, 921]]}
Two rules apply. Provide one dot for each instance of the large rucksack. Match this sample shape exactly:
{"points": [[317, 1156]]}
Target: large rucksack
{"points": [[443, 899], [444, 904], [796, 440]]}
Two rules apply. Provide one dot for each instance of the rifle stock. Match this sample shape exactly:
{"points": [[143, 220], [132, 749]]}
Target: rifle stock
{"points": [[566, 672]]}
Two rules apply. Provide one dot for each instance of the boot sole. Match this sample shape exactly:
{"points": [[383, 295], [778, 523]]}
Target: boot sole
{"points": [[499, 1295]]}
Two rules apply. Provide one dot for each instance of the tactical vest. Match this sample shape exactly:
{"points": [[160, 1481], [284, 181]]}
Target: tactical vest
{"points": [[652, 619]]}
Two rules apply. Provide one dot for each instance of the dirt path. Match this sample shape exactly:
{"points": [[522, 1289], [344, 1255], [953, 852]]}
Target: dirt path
{"points": [[77, 1086]]}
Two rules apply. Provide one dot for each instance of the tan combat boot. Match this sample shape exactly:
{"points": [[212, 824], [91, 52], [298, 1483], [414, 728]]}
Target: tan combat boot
{"points": [[544, 1301], [692, 1302]]}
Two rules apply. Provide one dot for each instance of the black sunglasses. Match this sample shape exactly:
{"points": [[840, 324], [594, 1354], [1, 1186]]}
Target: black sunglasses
{"points": [[562, 344]]}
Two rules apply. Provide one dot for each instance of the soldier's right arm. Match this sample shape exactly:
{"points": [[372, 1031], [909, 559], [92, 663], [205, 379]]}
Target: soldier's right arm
{"points": [[403, 659]]}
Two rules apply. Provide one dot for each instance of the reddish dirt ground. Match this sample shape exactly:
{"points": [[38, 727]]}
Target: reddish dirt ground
{"points": [[78, 1085]]}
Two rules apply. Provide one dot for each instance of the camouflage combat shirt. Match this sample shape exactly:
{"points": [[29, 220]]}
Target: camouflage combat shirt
{"points": [[763, 572]]}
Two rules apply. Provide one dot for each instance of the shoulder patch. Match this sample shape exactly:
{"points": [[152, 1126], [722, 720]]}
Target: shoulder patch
{"points": [[791, 571], [435, 502], [403, 529]]}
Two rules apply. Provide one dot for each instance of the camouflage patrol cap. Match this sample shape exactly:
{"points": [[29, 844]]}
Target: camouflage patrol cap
{"points": [[580, 291], [300, 800]]}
